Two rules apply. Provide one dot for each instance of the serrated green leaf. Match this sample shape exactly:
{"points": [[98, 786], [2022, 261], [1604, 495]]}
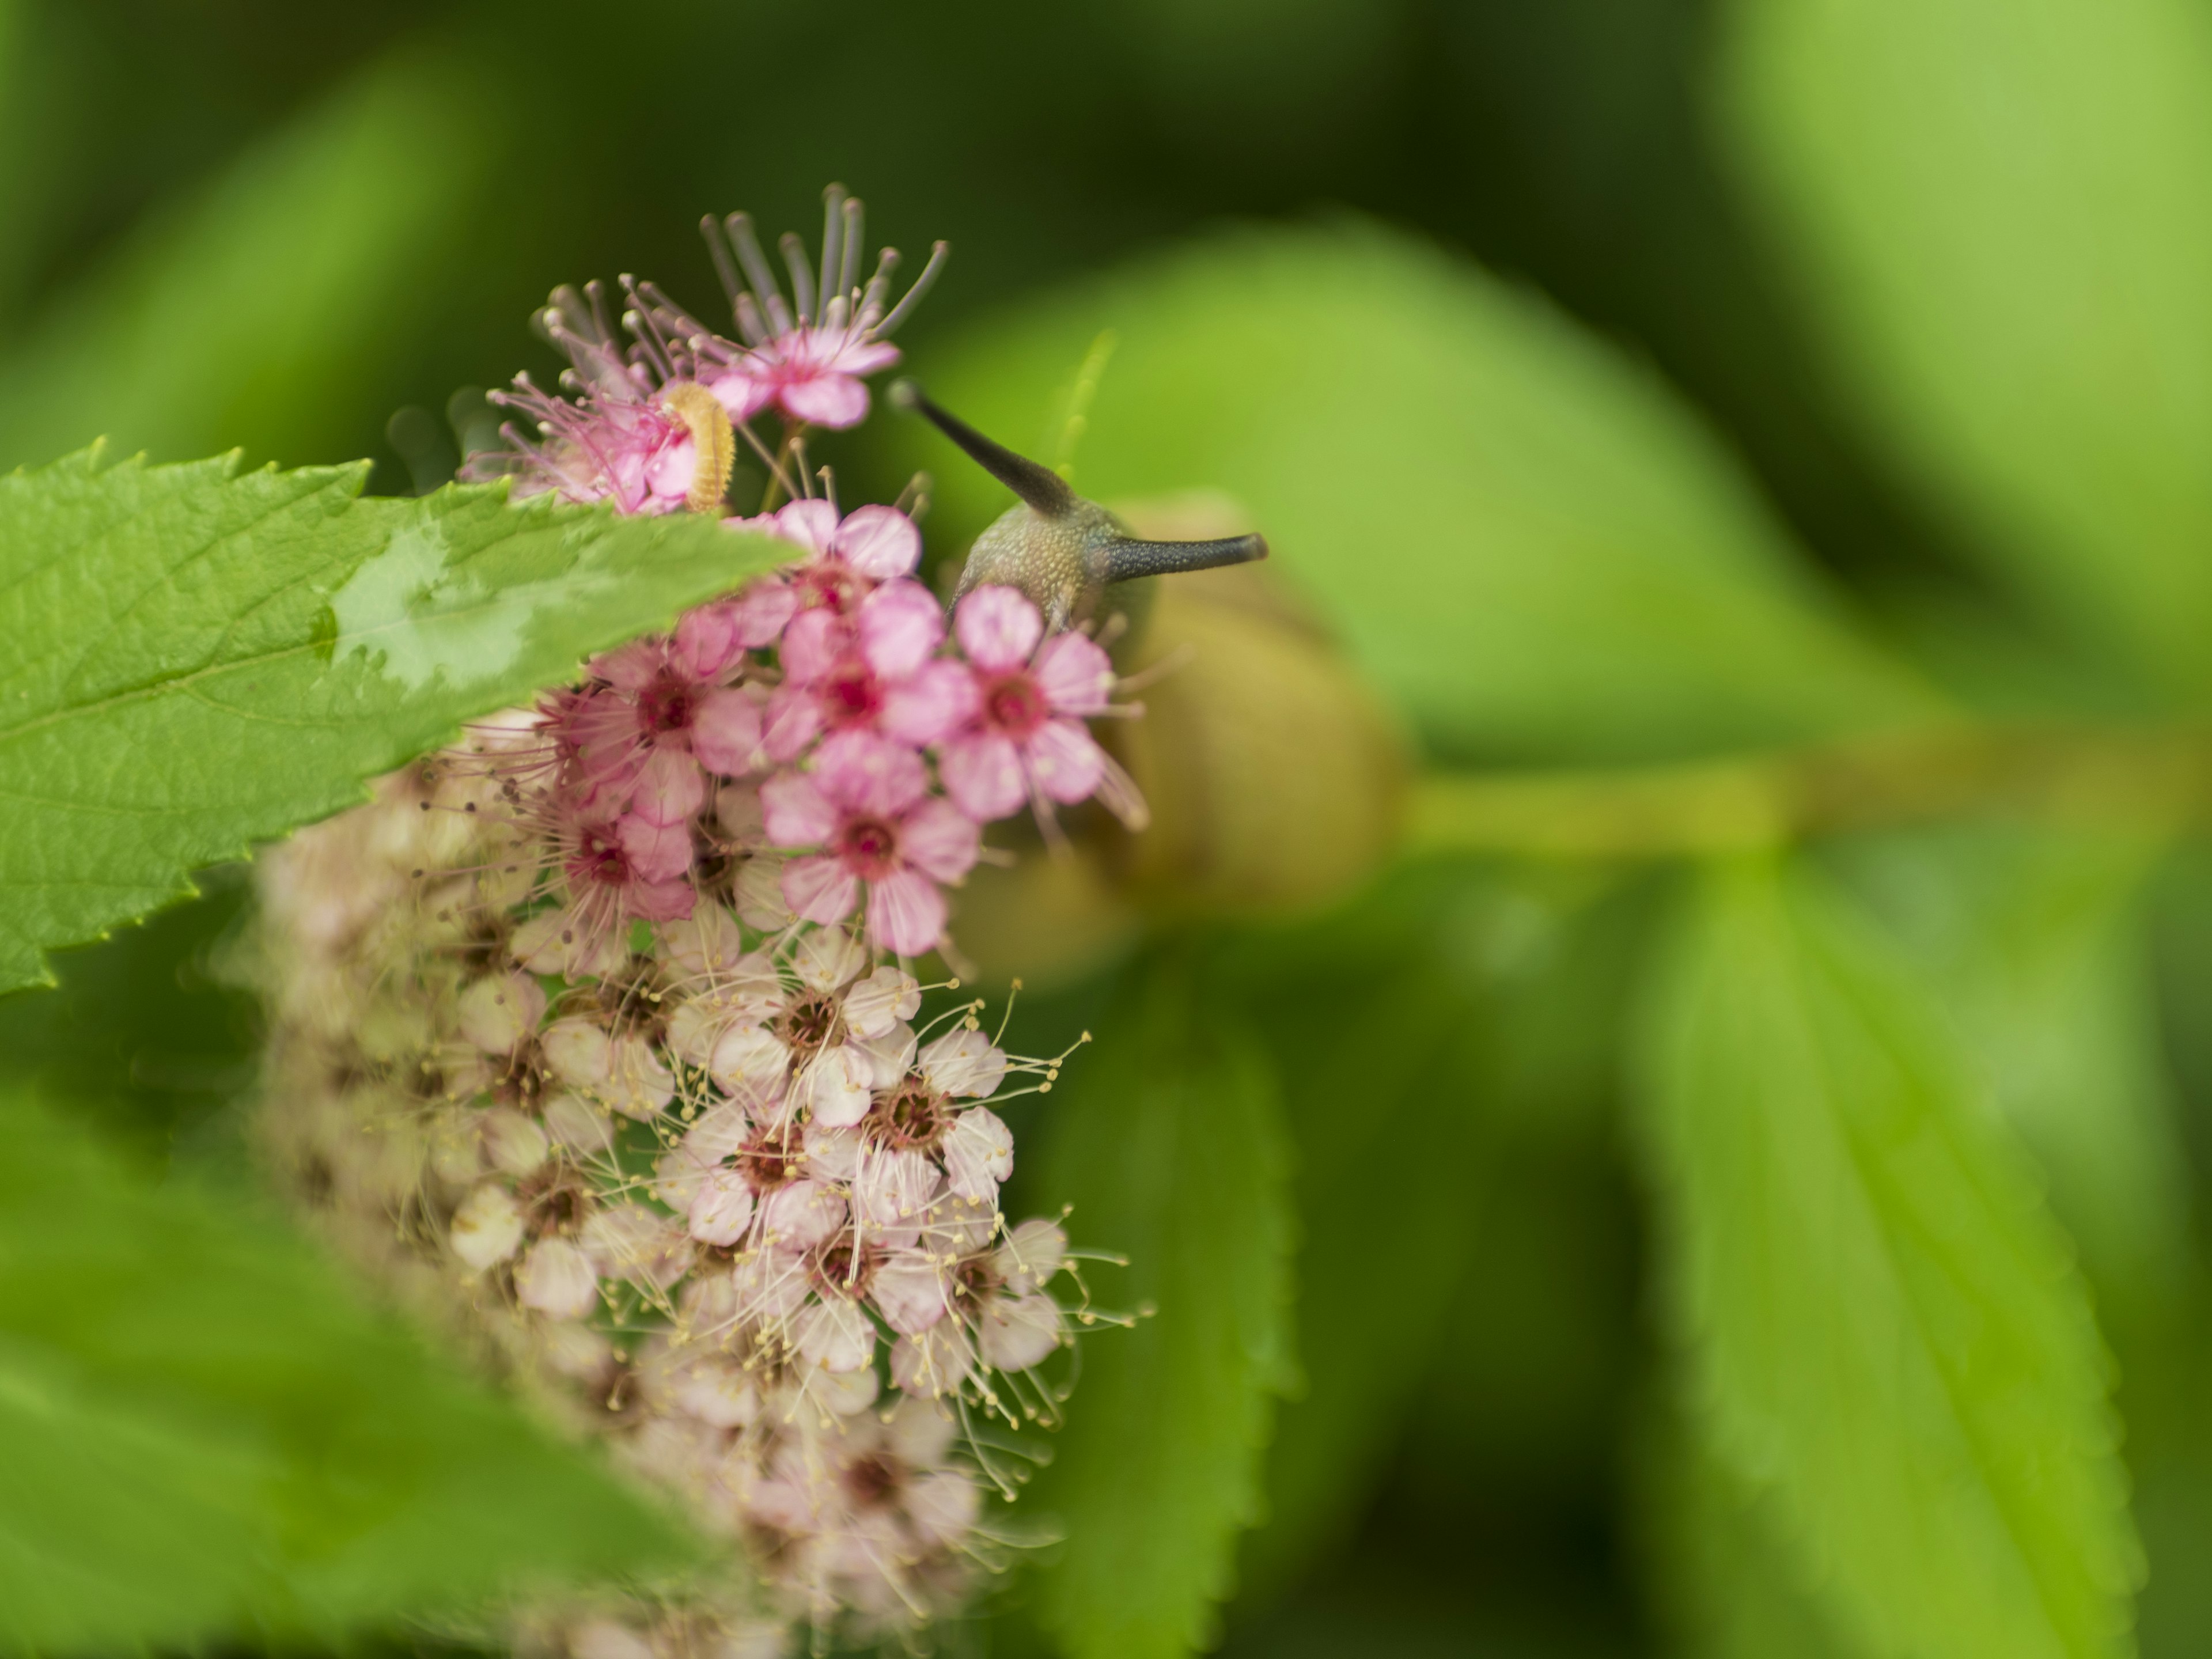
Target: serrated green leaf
{"points": [[228, 318], [1168, 1146], [1884, 1331], [204, 658], [1529, 541], [2036, 939], [2002, 212], [203, 1437]]}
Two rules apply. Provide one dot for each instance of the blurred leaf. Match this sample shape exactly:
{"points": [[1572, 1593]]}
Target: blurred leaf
{"points": [[1370, 1007], [1723, 1579], [1884, 1331], [1530, 543], [1169, 1147], [2002, 213], [2037, 940], [240, 318], [202, 1436], [208, 657]]}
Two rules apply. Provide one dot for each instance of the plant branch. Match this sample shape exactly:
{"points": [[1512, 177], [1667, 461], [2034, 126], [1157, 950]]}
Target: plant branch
{"points": [[2133, 775]]}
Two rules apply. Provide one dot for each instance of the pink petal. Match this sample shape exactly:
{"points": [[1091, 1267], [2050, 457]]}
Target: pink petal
{"points": [[763, 610], [794, 720], [656, 851], [830, 400], [812, 523], [1075, 675], [741, 394], [812, 644], [661, 901], [669, 789], [900, 624], [1066, 761], [906, 912], [632, 667], [863, 772], [909, 1293], [705, 641], [670, 472], [795, 813], [819, 888], [865, 356], [941, 698], [879, 542], [983, 776], [726, 730], [939, 838], [997, 627]]}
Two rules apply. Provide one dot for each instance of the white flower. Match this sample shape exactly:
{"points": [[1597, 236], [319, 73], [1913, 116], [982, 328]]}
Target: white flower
{"points": [[833, 1087], [888, 1055], [908, 1291], [1032, 1254], [487, 1228], [634, 1243], [549, 943], [752, 1065], [576, 1126], [706, 943], [801, 1215], [513, 1143]]}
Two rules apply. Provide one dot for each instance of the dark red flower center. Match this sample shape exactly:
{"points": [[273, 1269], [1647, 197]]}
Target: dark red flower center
{"points": [[768, 1161], [829, 583], [869, 848], [849, 694], [808, 1025], [841, 1267], [873, 1481], [668, 704], [910, 1118], [1014, 705], [598, 858]]}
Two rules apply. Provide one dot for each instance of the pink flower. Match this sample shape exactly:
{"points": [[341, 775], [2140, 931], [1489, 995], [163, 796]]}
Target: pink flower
{"points": [[805, 356], [618, 442], [872, 672], [1026, 740], [866, 805], [624, 866], [642, 738], [812, 374], [848, 558]]}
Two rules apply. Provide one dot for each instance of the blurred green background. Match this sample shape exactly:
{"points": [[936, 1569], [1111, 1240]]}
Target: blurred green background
{"points": [[1619, 382]]}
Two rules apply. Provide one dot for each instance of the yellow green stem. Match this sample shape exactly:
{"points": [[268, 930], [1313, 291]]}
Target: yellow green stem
{"points": [[2142, 776]]}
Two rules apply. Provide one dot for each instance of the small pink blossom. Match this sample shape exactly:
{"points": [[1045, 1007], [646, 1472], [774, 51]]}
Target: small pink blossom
{"points": [[810, 374], [866, 806], [847, 558], [1025, 739], [873, 671]]}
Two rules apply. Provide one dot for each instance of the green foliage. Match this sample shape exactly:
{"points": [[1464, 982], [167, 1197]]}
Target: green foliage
{"points": [[1884, 1333], [209, 656], [2035, 938], [222, 320], [205, 1438], [2001, 212], [1170, 1147], [1529, 542]]}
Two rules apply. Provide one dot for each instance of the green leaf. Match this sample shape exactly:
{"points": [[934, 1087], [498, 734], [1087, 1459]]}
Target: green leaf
{"points": [[1884, 1330], [1530, 542], [2037, 940], [203, 1437], [2002, 213], [1170, 1147], [204, 658], [1722, 1576], [227, 318]]}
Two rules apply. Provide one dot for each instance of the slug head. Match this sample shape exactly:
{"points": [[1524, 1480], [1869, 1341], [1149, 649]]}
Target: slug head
{"points": [[1063, 552]]}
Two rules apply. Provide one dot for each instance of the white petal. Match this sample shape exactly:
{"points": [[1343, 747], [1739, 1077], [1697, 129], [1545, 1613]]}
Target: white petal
{"points": [[1015, 1334], [498, 1012], [704, 944], [801, 1215], [579, 1054], [1034, 1253], [576, 1126], [487, 1228], [834, 1089], [557, 1279], [979, 1154], [722, 1210], [963, 1062], [932, 1364], [513, 1143], [883, 997], [828, 957], [909, 1292], [751, 1064], [717, 1391], [836, 1335], [639, 1085], [888, 1056]]}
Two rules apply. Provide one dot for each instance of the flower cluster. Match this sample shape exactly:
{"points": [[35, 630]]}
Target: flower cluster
{"points": [[601, 1036]]}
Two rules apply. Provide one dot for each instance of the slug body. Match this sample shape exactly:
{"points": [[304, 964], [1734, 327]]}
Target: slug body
{"points": [[1063, 552]]}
